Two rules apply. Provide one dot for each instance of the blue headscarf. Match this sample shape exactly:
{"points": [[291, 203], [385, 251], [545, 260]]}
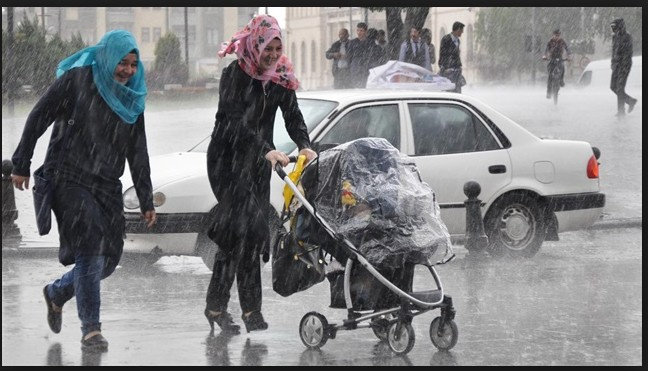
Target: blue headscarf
{"points": [[128, 100]]}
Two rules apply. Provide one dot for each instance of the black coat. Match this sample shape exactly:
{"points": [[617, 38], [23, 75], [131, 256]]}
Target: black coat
{"points": [[449, 55], [621, 49], [335, 48], [237, 169], [86, 167]]}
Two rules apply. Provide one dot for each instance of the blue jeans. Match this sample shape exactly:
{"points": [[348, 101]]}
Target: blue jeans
{"points": [[83, 281]]}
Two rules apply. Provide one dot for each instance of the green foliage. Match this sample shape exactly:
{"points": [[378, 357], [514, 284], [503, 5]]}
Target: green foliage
{"points": [[503, 34], [168, 67], [33, 60]]}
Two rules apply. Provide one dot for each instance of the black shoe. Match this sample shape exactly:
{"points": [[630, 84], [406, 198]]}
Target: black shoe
{"points": [[548, 95], [54, 318], [631, 105], [562, 84], [254, 322], [97, 343], [224, 320]]}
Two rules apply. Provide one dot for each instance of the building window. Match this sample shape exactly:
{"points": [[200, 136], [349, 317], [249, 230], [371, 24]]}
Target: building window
{"points": [[313, 56], [212, 36], [303, 57], [157, 34], [146, 35]]}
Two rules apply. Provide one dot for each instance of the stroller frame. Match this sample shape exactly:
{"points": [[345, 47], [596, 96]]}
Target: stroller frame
{"points": [[392, 325]]}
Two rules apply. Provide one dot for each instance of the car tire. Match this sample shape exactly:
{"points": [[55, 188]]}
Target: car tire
{"points": [[206, 248], [516, 226]]}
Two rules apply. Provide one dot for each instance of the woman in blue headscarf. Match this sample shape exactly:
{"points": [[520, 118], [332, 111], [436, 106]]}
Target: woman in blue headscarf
{"points": [[97, 107]]}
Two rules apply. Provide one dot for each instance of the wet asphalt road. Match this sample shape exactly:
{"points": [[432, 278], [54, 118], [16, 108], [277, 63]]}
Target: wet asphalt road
{"points": [[578, 302]]}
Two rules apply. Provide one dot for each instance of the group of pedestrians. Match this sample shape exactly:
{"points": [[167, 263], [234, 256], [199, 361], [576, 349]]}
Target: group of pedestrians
{"points": [[352, 59]]}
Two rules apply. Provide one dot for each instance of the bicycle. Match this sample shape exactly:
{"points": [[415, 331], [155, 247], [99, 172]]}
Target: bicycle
{"points": [[554, 78]]}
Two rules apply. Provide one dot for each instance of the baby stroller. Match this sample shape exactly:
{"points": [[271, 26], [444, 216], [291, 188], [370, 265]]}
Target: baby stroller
{"points": [[365, 204]]}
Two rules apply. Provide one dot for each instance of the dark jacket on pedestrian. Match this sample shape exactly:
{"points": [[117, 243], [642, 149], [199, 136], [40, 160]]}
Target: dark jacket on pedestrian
{"points": [[621, 48], [360, 58], [335, 48], [91, 159], [449, 56], [241, 138]]}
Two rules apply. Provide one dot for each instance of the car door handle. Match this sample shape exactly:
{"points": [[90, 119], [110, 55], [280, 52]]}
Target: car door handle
{"points": [[497, 169]]}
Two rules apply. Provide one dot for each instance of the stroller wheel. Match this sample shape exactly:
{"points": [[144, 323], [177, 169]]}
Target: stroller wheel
{"points": [[400, 337], [380, 327], [313, 330], [447, 337]]}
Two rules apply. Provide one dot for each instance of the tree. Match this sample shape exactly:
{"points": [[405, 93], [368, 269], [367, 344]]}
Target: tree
{"points": [[168, 67], [397, 30], [503, 34]]}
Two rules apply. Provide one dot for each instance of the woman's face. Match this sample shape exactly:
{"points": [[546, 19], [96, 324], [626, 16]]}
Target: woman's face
{"points": [[270, 54], [126, 68]]}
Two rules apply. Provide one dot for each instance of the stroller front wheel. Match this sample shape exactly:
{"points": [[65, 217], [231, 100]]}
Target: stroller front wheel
{"points": [[400, 337], [313, 330], [447, 337]]}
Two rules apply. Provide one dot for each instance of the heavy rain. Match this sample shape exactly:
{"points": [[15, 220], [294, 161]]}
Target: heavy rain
{"points": [[577, 301]]}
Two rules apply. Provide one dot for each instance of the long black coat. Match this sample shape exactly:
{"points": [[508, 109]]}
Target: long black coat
{"points": [[237, 169], [621, 56], [87, 165]]}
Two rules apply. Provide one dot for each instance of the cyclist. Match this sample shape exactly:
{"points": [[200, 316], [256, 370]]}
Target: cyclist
{"points": [[556, 48]]}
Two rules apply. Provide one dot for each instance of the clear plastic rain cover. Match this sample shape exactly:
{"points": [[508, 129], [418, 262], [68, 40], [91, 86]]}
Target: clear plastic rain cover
{"points": [[373, 195]]}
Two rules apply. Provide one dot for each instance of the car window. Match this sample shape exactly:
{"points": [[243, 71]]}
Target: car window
{"points": [[440, 129], [380, 121], [313, 110]]}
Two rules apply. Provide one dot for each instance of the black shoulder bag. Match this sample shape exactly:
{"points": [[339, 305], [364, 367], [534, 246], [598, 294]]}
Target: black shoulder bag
{"points": [[43, 191]]}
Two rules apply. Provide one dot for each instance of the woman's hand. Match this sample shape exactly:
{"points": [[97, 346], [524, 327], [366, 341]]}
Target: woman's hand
{"points": [[18, 181], [275, 156], [309, 153], [150, 218]]}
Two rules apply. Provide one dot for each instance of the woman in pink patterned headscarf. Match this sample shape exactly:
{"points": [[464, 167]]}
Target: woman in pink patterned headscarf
{"points": [[240, 158], [249, 45]]}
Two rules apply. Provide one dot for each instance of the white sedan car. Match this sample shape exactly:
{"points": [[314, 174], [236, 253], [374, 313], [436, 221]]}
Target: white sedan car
{"points": [[531, 188]]}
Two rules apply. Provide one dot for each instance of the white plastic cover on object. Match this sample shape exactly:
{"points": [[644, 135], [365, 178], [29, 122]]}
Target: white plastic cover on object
{"points": [[403, 75]]}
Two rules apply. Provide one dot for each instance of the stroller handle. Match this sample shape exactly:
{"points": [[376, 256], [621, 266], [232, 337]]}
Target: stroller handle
{"points": [[279, 168]]}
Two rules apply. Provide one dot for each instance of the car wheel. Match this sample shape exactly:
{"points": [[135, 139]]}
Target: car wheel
{"points": [[516, 226], [206, 248]]}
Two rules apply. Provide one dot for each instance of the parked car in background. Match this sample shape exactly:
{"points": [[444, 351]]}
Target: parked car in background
{"points": [[531, 188], [597, 74]]}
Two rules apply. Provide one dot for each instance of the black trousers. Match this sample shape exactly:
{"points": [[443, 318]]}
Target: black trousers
{"points": [[617, 85]]}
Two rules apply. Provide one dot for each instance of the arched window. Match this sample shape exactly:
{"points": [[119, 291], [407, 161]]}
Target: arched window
{"points": [[313, 57], [303, 57]]}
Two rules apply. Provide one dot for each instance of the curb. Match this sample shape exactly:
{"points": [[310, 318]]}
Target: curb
{"points": [[635, 222]]}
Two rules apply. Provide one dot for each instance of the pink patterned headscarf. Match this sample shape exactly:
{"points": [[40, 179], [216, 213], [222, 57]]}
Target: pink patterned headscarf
{"points": [[248, 45]]}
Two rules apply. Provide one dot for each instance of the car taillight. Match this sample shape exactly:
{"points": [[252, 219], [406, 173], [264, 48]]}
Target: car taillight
{"points": [[592, 168]]}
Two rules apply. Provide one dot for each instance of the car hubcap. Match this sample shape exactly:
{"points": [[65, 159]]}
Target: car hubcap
{"points": [[517, 227]]}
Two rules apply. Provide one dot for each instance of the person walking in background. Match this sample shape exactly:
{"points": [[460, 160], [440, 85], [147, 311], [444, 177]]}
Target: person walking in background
{"points": [[359, 55], [556, 49], [338, 53], [240, 158], [621, 65], [377, 54], [426, 36], [450, 56], [414, 50], [381, 41], [97, 106]]}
